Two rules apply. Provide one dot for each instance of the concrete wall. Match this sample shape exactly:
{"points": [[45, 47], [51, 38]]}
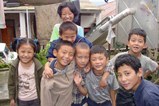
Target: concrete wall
{"points": [[87, 20]]}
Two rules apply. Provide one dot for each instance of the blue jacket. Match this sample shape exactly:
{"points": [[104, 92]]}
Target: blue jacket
{"points": [[147, 94], [78, 39]]}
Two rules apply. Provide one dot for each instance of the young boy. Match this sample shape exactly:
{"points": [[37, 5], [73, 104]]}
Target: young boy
{"points": [[57, 91], [136, 43], [67, 31], [81, 60], [96, 95], [129, 73]]}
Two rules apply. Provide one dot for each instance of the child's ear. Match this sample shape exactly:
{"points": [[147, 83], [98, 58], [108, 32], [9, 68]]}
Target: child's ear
{"points": [[140, 72], [145, 46], [107, 60], [55, 52], [128, 43]]}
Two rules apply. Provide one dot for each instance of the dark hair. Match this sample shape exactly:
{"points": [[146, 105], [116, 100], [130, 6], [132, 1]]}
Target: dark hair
{"points": [[99, 49], [63, 42], [129, 60], [26, 41], [137, 31], [67, 26], [15, 43], [70, 5]]}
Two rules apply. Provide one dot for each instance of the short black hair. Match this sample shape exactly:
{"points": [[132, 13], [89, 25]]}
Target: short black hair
{"points": [[70, 5], [137, 31], [99, 49], [63, 42], [129, 60], [29, 41], [67, 26]]}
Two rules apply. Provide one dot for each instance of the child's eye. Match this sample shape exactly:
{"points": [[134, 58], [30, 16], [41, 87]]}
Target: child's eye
{"points": [[133, 40], [140, 41], [127, 74], [101, 58], [119, 75], [79, 57], [93, 59], [64, 52], [22, 51], [71, 54]]}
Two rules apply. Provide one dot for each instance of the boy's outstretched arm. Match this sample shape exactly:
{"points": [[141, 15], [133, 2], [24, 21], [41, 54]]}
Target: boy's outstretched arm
{"points": [[113, 97], [148, 72], [12, 102], [103, 81], [48, 73], [108, 70], [78, 79]]}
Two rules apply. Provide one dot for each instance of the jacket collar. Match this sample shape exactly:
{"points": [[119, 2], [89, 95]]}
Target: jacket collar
{"points": [[38, 65]]}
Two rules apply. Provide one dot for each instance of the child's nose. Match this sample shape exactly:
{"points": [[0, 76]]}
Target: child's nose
{"points": [[83, 60], [123, 78], [25, 54], [69, 39], [67, 16], [66, 55]]}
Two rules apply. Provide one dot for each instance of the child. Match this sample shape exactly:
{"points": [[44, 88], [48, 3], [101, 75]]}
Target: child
{"points": [[96, 95], [57, 91], [25, 76], [136, 43], [67, 31], [67, 12], [82, 60], [129, 73]]}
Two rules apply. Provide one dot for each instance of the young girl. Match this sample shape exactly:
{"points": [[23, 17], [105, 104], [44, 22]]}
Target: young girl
{"points": [[25, 75]]}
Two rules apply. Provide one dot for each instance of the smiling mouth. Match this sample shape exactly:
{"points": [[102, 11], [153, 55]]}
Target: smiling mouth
{"points": [[125, 85], [65, 61], [136, 47], [98, 66]]}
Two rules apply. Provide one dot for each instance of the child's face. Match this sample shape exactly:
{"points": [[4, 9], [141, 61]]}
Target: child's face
{"points": [[127, 77], [82, 57], [136, 43], [98, 62], [69, 35], [26, 53], [67, 15], [64, 56]]}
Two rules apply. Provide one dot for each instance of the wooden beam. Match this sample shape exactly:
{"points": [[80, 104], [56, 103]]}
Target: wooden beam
{"points": [[40, 2]]}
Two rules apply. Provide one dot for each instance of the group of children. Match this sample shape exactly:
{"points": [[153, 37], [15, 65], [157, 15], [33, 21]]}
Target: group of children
{"points": [[79, 73]]}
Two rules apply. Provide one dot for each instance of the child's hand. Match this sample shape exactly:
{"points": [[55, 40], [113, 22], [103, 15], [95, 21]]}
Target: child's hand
{"points": [[12, 102], [102, 83], [87, 68], [77, 78], [48, 73]]}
